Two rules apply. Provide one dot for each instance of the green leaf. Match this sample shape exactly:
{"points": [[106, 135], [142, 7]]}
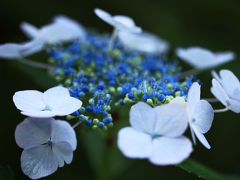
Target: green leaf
{"points": [[40, 76], [6, 173], [204, 172]]}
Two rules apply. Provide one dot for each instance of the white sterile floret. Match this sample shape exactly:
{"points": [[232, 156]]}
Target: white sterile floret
{"points": [[47, 144], [226, 88], [53, 102], [156, 134], [199, 113], [143, 42], [62, 29], [119, 22], [201, 58]]}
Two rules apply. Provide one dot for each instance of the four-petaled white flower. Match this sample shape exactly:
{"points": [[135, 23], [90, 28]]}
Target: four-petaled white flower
{"points": [[55, 101], [47, 144], [119, 22], [201, 58], [143, 42], [61, 30], [226, 89], [156, 134], [199, 113]]}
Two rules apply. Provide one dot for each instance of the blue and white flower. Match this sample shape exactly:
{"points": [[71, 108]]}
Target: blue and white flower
{"points": [[201, 58], [155, 134], [47, 144], [55, 101], [226, 88], [199, 113]]}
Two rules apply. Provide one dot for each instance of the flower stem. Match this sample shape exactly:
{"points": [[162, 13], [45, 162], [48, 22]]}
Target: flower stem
{"points": [[221, 110], [189, 72], [35, 64], [112, 39], [77, 124], [212, 100]]}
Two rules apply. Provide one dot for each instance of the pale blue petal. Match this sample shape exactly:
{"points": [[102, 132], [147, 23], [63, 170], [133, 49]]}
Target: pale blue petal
{"points": [[63, 132], [63, 151], [203, 116], [143, 117], [134, 144], [170, 151], [33, 131], [38, 161], [172, 120]]}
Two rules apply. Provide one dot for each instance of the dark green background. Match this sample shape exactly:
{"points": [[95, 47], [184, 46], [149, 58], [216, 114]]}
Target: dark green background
{"points": [[213, 24]]}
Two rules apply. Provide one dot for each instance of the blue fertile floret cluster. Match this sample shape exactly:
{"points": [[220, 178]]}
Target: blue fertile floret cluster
{"points": [[105, 79]]}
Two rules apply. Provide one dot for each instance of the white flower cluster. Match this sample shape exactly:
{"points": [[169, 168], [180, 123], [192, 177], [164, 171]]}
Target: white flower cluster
{"points": [[47, 142]]}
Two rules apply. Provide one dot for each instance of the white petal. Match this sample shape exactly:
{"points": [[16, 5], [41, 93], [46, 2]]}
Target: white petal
{"points": [[171, 121], [134, 144], [29, 29], [126, 24], [38, 161], [230, 82], [75, 29], [68, 106], [193, 97], [178, 100], [18, 51], [33, 131], [203, 116], [32, 47], [143, 42], [215, 75], [55, 95], [224, 57], [63, 132], [29, 100], [234, 105], [218, 91], [10, 50], [39, 114], [201, 137], [169, 151], [143, 117], [105, 16], [63, 151], [197, 57], [122, 23], [59, 100]]}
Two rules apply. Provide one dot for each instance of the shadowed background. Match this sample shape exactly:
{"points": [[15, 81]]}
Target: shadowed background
{"points": [[211, 24]]}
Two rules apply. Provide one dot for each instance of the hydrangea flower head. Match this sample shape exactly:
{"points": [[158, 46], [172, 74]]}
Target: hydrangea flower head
{"points": [[55, 101], [47, 144], [155, 134], [105, 80]]}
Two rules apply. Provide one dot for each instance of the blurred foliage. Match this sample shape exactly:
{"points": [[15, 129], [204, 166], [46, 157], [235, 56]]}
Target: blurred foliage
{"points": [[212, 24]]}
